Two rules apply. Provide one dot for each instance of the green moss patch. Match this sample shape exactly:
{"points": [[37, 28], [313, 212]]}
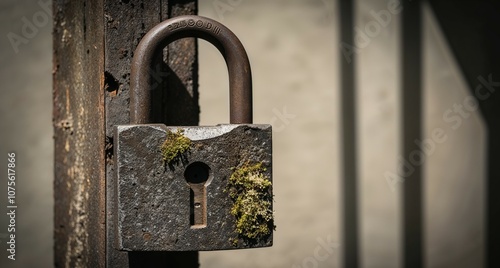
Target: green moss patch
{"points": [[249, 188], [174, 146]]}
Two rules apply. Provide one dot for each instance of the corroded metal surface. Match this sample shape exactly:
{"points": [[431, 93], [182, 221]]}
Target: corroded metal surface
{"points": [[153, 198]]}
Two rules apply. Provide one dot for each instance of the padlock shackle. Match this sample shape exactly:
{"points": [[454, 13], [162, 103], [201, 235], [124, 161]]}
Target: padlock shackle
{"points": [[152, 44]]}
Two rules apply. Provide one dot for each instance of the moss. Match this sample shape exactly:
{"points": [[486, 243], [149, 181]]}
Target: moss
{"points": [[175, 145], [233, 241], [249, 188]]}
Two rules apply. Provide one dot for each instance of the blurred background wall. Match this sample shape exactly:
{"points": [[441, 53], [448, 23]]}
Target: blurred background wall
{"points": [[26, 129], [294, 51]]}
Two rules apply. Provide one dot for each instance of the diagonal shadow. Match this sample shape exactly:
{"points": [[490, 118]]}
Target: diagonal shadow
{"points": [[473, 33]]}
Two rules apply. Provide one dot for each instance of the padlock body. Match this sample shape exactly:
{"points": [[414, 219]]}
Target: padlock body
{"points": [[153, 200]]}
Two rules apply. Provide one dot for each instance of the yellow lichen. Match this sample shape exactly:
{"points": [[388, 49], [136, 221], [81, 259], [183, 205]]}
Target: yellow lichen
{"points": [[249, 188], [175, 145]]}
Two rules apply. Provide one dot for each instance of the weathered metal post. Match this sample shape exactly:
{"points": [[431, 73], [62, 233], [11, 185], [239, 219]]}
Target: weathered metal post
{"points": [[94, 42]]}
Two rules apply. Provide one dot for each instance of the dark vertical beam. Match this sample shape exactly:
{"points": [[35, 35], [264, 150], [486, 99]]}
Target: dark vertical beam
{"points": [[125, 24], [348, 140], [471, 29], [174, 98], [181, 99], [411, 93], [78, 118]]}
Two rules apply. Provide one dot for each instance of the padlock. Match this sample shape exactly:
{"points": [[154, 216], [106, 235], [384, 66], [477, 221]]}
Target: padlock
{"points": [[194, 187]]}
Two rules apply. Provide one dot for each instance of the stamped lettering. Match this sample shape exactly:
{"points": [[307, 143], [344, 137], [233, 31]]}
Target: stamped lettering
{"points": [[194, 24]]}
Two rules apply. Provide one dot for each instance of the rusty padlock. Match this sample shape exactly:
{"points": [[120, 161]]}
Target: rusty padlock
{"points": [[198, 187]]}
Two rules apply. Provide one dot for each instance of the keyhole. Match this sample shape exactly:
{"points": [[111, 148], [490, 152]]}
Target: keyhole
{"points": [[196, 175]]}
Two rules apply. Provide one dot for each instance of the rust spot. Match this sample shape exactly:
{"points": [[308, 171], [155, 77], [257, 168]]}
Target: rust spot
{"points": [[55, 68], [123, 53], [146, 236], [66, 125]]}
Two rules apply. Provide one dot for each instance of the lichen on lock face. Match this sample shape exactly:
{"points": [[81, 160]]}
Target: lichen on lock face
{"points": [[174, 145], [249, 189]]}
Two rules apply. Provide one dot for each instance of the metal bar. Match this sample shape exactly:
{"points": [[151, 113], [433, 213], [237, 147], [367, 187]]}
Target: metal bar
{"points": [[151, 45], [411, 93], [348, 103]]}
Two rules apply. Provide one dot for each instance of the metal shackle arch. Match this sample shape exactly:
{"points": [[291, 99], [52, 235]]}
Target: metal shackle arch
{"points": [[152, 44]]}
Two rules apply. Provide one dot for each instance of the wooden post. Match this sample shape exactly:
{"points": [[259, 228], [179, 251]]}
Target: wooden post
{"points": [[94, 41]]}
